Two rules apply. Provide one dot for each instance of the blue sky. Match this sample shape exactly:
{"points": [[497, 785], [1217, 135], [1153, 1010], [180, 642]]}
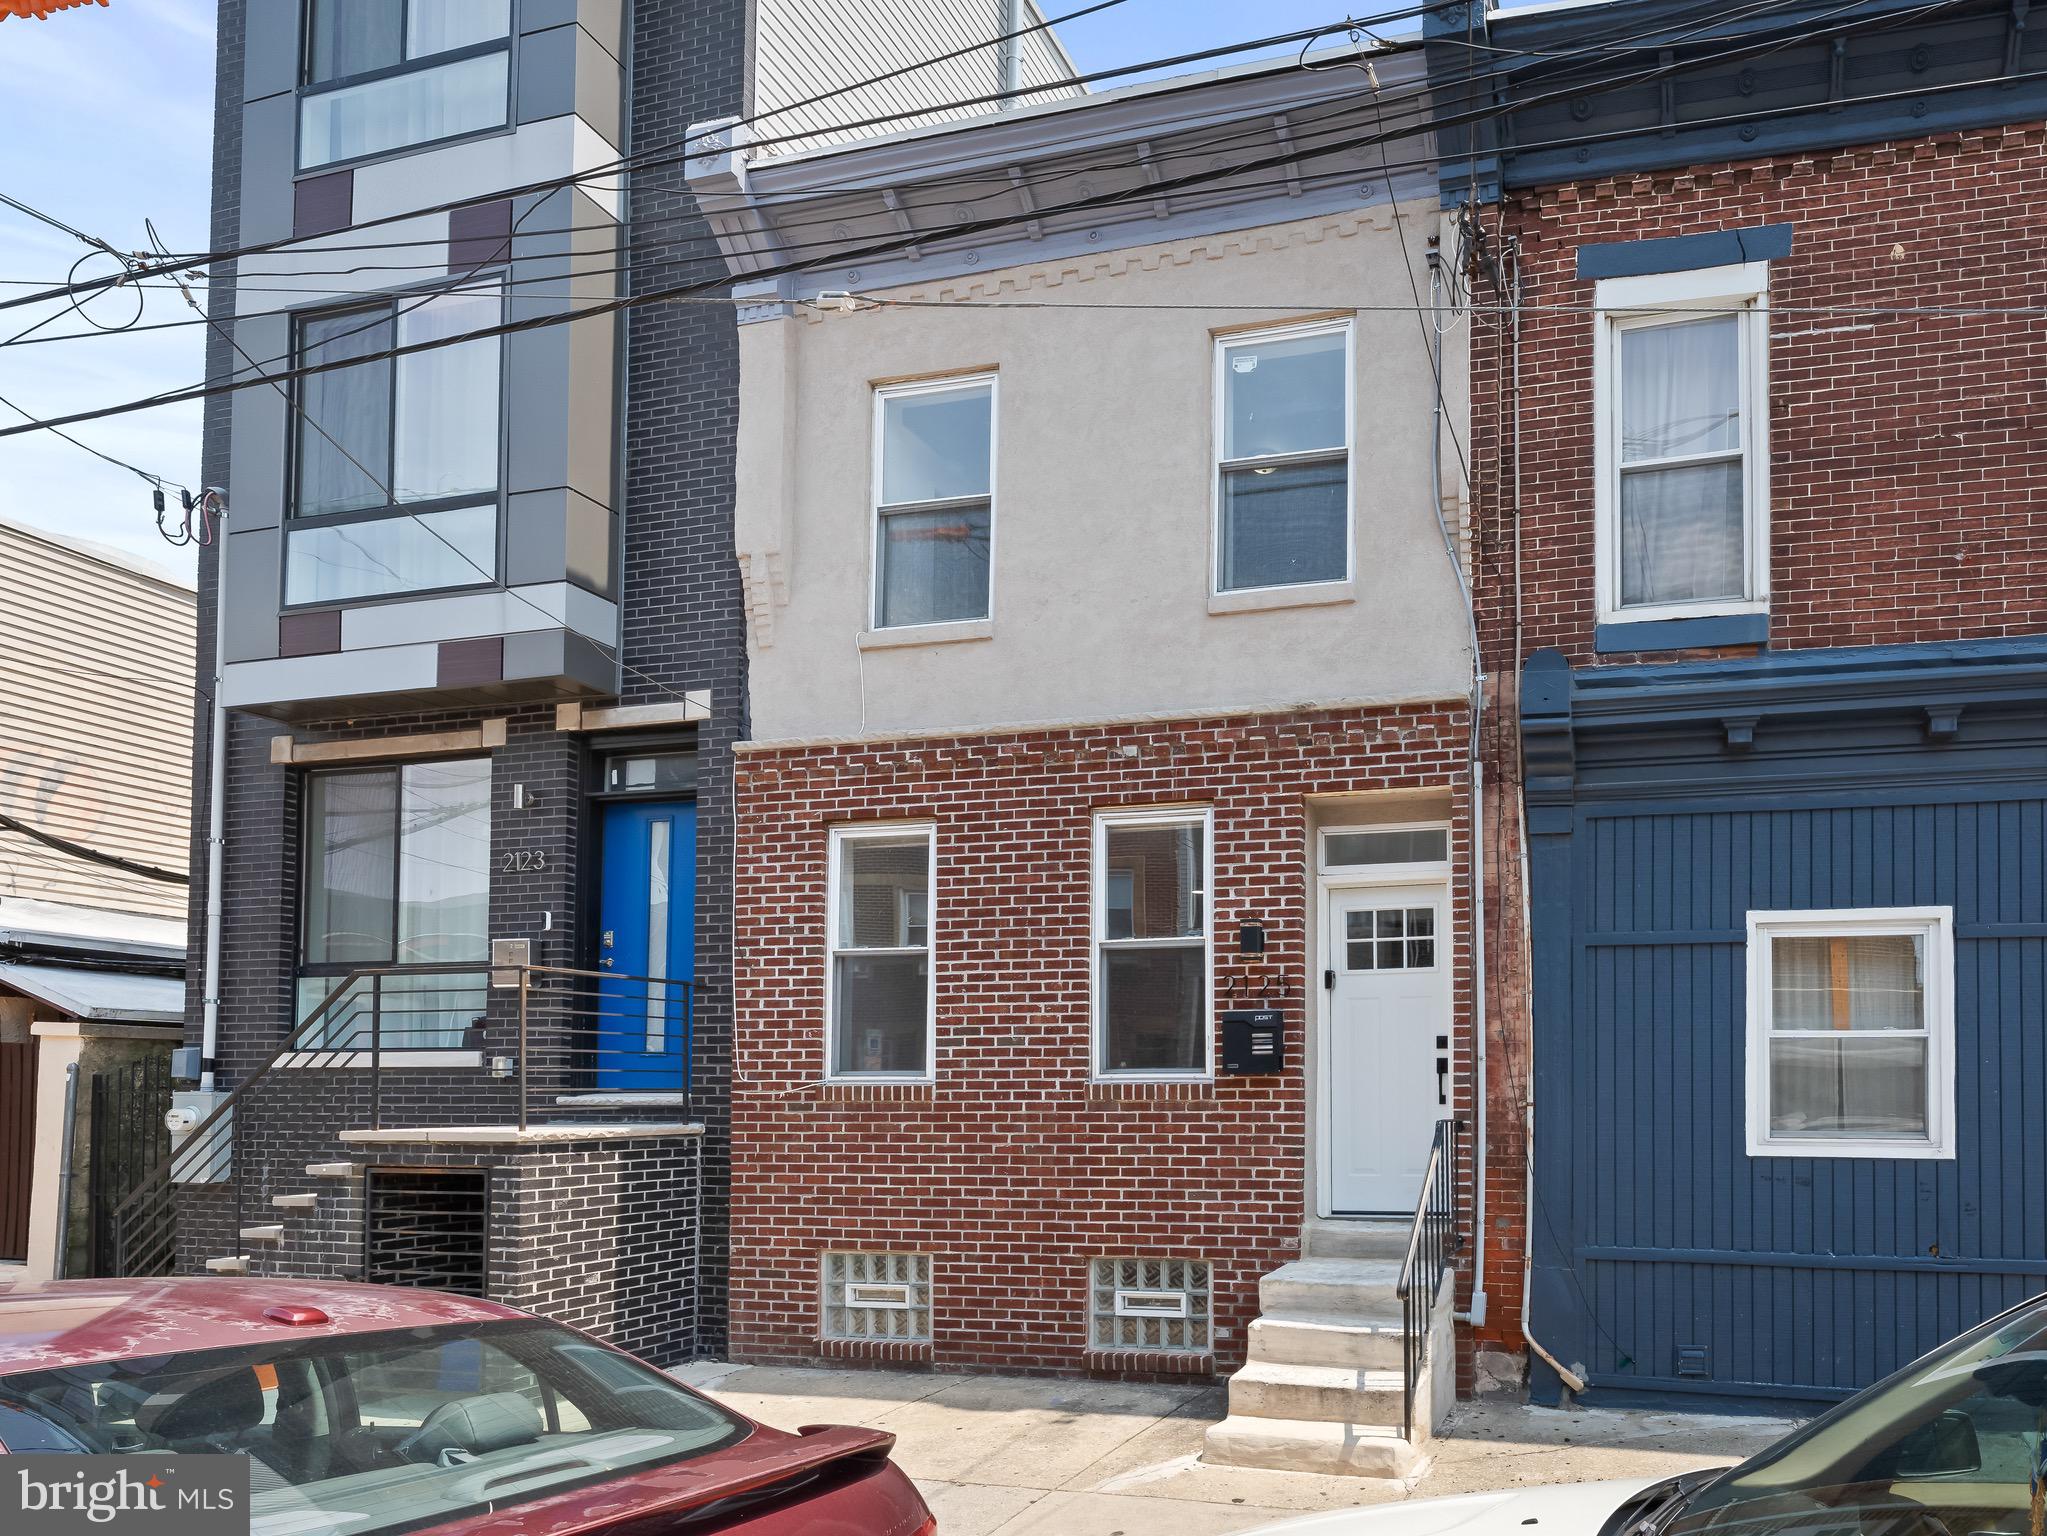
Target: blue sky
{"points": [[114, 108], [109, 119]]}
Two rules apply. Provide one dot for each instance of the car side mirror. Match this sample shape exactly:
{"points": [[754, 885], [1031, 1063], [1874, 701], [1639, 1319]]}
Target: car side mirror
{"points": [[1945, 1447]]}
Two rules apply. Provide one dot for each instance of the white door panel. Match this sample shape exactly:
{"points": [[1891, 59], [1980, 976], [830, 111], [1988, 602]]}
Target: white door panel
{"points": [[1388, 1009]]}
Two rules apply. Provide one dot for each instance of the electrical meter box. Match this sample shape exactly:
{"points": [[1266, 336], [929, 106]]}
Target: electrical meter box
{"points": [[1254, 1041], [210, 1158]]}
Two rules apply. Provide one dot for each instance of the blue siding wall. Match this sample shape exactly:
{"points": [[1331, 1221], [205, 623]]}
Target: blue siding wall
{"points": [[1654, 1231]]}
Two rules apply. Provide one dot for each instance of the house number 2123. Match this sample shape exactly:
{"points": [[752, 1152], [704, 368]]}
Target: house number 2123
{"points": [[525, 863]]}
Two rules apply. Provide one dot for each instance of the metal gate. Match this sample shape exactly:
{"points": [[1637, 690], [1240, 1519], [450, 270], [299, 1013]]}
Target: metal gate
{"points": [[17, 1144], [427, 1227], [129, 1142]]}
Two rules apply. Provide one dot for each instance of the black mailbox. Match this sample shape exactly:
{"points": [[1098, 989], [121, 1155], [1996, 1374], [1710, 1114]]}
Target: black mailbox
{"points": [[1254, 1041]]}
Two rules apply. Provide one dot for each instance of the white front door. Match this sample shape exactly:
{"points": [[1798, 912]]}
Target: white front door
{"points": [[1387, 949]]}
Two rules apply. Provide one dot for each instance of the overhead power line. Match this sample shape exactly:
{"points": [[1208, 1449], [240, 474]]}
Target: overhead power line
{"points": [[672, 152], [888, 246], [93, 855]]}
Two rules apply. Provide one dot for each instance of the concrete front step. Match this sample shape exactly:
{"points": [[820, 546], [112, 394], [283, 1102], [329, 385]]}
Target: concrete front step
{"points": [[1327, 1394], [1339, 1237], [1360, 1288], [333, 1170], [265, 1234], [1307, 1445], [238, 1264], [294, 1202], [1358, 1342]]}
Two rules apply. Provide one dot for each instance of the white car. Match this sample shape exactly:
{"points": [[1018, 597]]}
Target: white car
{"points": [[1953, 1445]]}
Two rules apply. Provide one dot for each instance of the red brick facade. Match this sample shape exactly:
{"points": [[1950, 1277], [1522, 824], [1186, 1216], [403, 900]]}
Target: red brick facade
{"points": [[1907, 475], [1013, 1169]]}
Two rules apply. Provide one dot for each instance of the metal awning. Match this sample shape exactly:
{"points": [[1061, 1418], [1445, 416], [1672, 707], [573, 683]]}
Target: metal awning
{"points": [[103, 997]]}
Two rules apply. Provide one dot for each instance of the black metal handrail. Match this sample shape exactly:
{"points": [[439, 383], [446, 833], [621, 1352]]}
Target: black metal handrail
{"points": [[582, 1024], [1436, 1235]]}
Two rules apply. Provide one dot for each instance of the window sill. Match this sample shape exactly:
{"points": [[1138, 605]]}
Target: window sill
{"points": [[1857, 1151], [1622, 634], [927, 634], [1315, 594]]}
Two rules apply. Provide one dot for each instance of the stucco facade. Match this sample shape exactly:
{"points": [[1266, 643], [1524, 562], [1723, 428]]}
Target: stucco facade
{"points": [[1102, 607]]}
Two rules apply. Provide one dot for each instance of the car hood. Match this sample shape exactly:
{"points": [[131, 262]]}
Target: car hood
{"points": [[1567, 1509]]}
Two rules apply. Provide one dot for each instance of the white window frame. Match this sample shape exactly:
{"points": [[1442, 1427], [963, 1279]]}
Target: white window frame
{"points": [[883, 393], [1625, 303], [1419, 872], [1936, 926], [1219, 436], [1098, 885], [834, 873]]}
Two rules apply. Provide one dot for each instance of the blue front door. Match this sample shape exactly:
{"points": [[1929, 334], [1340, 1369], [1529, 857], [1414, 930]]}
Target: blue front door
{"points": [[647, 932]]}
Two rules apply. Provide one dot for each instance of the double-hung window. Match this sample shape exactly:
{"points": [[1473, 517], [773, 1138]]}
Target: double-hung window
{"points": [[878, 971], [397, 874], [1151, 943], [381, 75], [934, 501], [1682, 439], [1851, 1033], [396, 474], [1283, 472]]}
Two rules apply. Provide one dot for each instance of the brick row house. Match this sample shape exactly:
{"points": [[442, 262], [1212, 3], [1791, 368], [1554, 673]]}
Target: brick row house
{"points": [[1103, 834], [1118, 688], [1762, 587], [465, 1016]]}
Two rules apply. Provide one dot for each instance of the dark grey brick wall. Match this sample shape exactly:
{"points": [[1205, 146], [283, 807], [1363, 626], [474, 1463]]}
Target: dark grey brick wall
{"points": [[683, 630], [684, 619], [597, 1235]]}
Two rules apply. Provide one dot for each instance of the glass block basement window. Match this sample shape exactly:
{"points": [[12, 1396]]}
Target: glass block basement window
{"points": [[1151, 1304], [877, 1296]]}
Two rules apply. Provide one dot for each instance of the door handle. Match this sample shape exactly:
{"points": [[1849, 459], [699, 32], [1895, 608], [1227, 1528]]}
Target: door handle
{"points": [[605, 961]]}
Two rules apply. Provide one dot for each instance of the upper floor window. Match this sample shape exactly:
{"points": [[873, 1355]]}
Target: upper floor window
{"points": [[397, 873], [934, 501], [396, 473], [1851, 1033], [384, 74], [878, 963], [1681, 385], [1151, 942], [1283, 493]]}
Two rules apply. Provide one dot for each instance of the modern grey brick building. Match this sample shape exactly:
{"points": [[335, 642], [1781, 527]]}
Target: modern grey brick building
{"points": [[483, 664]]}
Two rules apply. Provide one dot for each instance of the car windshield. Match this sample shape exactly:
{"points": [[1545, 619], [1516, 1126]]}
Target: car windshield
{"points": [[1950, 1446], [372, 1434]]}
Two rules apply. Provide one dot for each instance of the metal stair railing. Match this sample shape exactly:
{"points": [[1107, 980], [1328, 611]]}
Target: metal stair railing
{"points": [[1437, 1234], [616, 1041]]}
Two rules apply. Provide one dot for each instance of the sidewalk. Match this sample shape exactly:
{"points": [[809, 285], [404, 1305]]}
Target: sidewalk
{"points": [[1021, 1456]]}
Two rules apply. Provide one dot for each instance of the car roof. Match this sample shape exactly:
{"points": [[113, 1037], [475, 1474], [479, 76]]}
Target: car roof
{"points": [[46, 1324]]}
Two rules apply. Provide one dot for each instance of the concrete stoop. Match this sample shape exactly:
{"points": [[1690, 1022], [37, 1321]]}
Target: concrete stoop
{"points": [[1320, 1390]]}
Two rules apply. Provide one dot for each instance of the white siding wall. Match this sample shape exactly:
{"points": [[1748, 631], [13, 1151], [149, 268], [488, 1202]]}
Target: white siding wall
{"points": [[96, 668], [803, 48]]}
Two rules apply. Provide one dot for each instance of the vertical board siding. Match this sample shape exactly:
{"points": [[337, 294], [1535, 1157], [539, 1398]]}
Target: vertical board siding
{"points": [[17, 1143], [1805, 1277]]}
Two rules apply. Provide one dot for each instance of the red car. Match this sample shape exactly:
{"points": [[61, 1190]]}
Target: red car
{"points": [[366, 1410]]}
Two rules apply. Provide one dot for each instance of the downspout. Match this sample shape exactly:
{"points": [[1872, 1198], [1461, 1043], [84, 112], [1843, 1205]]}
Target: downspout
{"points": [[1475, 1314], [216, 793], [62, 1259], [1570, 1378], [1015, 17]]}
